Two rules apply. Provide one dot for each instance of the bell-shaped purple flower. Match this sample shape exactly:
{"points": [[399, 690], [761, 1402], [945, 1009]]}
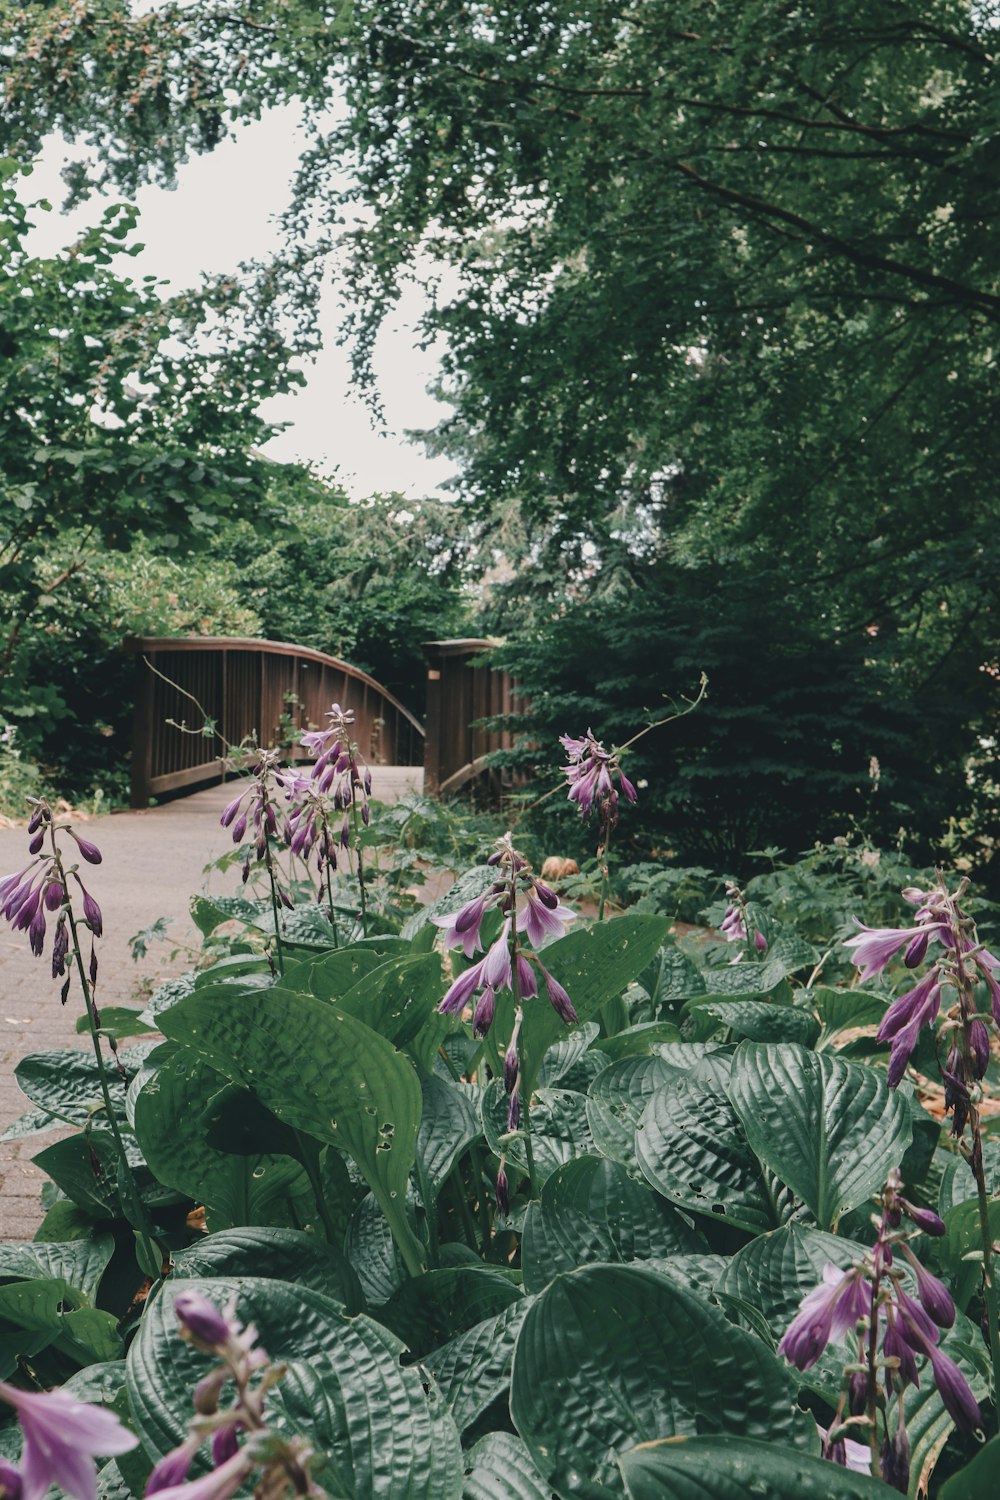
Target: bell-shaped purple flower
{"points": [[11, 1483], [904, 1019], [496, 965], [825, 1315], [540, 920], [875, 946], [461, 990], [62, 1436], [485, 1010]]}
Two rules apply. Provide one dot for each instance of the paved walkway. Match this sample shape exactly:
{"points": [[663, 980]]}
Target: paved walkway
{"points": [[154, 861]]}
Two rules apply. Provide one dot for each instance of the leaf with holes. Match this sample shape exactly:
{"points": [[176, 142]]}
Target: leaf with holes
{"points": [[829, 1128], [321, 1071], [692, 1147]]}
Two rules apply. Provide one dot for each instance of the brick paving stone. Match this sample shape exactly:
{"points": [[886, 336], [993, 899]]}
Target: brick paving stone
{"points": [[154, 862]]}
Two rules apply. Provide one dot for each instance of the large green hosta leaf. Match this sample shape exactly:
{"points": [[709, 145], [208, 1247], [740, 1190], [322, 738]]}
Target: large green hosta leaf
{"points": [[80, 1263], [320, 1071], [172, 1116], [591, 1210], [611, 1356], [500, 1468], [284, 1254], [692, 1147], [345, 1390], [617, 1100], [727, 1468], [473, 1370], [830, 1129]]}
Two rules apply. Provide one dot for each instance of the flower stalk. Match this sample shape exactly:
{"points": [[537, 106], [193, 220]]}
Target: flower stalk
{"points": [[945, 931]]}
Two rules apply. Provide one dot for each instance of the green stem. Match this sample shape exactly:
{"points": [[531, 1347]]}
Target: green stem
{"points": [[989, 1267], [329, 884], [138, 1208], [602, 854], [968, 1011], [275, 905], [468, 1225], [309, 1157], [523, 1083], [361, 868]]}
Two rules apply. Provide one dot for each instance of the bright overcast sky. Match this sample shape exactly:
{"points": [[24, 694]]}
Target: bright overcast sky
{"points": [[223, 211]]}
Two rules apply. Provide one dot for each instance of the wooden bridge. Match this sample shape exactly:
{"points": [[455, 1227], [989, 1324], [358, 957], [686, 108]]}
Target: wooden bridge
{"points": [[195, 695]]}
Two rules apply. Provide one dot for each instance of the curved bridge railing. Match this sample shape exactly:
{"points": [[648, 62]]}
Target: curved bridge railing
{"points": [[242, 687]]}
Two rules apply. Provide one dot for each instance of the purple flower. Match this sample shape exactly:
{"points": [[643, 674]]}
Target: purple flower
{"points": [[11, 1486], [935, 1297], [825, 1314], [482, 1016], [461, 990], [954, 1390], [496, 965], [462, 927], [558, 998], [90, 851], [875, 946], [202, 1321], [590, 774], [61, 1438], [173, 1468], [219, 1484], [847, 1453], [903, 1020], [895, 1459], [539, 919], [225, 1442]]}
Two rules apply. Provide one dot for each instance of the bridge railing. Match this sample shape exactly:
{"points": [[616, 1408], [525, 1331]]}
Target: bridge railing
{"points": [[462, 689], [243, 687]]}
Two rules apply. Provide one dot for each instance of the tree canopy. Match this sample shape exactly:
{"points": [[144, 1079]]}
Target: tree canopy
{"points": [[722, 296]]}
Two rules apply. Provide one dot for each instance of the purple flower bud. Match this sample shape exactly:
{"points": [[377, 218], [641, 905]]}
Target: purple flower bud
{"points": [[36, 843], [231, 810], [64, 992], [527, 984], [36, 931], [979, 1042], [895, 1458], [461, 990], [925, 1219], [916, 950], [482, 1016], [90, 851], [626, 786], [36, 820], [953, 1388], [60, 948], [239, 828], [92, 914], [55, 895], [514, 1110], [172, 1468], [503, 1191], [896, 1346], [11, 1483], [546, 895], [225, 1443], [560, 1001], [510, 1067], [760, 942], [935, 1297], [202, 1320]]}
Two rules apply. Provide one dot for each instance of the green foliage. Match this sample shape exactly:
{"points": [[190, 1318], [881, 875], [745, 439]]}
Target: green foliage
{"points": [[127, 426]]}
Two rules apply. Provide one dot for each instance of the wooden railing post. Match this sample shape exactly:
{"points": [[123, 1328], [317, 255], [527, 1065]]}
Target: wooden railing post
{"points": [[141, 789]]}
